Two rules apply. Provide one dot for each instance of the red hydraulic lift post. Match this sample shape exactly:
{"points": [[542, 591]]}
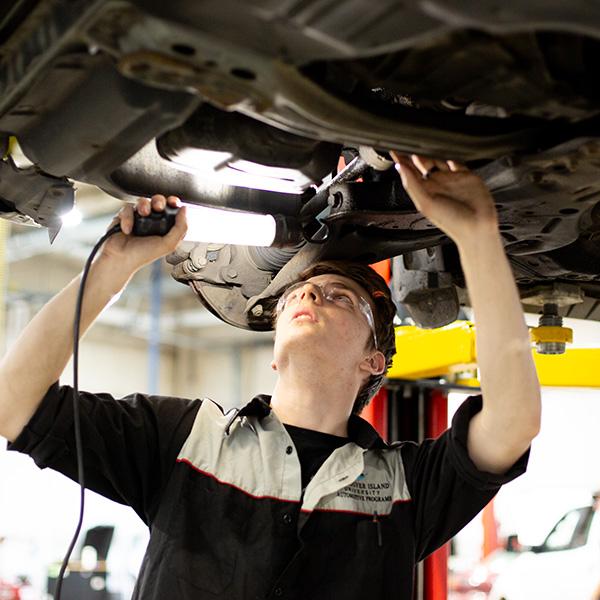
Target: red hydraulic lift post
{"points": [[416, 413], [435, 571], [376, 413], [490, 530]]}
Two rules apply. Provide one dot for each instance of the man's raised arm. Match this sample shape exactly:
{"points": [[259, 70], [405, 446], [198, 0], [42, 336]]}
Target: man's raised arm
{"points": [[458, 202], [40, 354]]}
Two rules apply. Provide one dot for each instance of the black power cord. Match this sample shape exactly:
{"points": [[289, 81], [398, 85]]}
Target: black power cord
{"points": [[157, 223], [76, 418]]}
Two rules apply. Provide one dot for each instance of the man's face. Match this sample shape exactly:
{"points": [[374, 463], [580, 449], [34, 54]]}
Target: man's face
{"points": [[327, 315]]}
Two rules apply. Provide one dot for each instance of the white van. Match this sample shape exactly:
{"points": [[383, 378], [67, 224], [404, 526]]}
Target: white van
{"points": [[566, 566]]}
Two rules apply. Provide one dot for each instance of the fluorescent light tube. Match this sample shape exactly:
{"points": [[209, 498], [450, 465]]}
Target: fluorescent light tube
{"points": [[214, 225]]}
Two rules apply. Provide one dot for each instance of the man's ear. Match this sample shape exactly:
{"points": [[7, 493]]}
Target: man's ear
{"points": [[374, 364]]}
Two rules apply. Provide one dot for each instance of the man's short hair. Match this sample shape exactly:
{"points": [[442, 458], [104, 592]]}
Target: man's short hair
{"points": [[383, 314]]}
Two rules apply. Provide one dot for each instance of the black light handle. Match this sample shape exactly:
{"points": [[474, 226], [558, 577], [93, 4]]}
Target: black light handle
{"points": [[156, 223]]}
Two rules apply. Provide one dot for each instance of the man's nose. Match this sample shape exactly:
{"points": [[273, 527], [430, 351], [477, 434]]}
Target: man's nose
{"points": [[311, 292]]}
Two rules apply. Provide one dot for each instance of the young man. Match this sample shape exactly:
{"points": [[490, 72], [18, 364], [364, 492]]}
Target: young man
{"points": [[293, 496]]}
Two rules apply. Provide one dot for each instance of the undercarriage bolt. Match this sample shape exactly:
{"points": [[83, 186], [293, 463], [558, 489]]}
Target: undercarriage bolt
{"points": [[550, 318], [257, 310]]}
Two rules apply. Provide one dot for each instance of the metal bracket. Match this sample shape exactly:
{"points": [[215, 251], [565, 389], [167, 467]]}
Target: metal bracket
{"points": [[31, 194], [420, 285]]}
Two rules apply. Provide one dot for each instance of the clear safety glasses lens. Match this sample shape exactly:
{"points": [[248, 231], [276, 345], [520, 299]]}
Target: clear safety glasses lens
{"points": [[328, 292]]}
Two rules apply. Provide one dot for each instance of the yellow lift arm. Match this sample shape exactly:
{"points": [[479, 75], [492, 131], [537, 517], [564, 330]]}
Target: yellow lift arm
{"points": [[449, 350]]}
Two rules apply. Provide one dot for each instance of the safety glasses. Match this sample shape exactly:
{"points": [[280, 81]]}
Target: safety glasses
{"points": [[335, 293]]}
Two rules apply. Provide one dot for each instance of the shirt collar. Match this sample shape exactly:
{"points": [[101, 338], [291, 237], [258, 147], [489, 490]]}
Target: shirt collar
{"points": [[360, 431]]}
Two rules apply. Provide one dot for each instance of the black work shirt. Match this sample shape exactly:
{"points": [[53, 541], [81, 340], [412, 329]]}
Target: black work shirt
{"points": [[223, 498], [313, 447]]}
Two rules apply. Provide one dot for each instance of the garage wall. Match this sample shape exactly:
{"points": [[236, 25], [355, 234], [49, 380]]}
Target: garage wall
{"points": [[114, 362], [230, 377]]}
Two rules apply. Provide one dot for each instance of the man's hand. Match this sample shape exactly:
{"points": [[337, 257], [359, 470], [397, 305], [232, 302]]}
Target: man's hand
{"points": [[453, 198], [130, 253]]}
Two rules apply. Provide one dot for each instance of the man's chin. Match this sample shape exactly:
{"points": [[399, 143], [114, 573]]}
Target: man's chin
{"points": [[305, 339]]}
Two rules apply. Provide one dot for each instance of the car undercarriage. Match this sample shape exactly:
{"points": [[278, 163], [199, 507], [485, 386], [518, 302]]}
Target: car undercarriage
{"points": [[289, 108]]}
